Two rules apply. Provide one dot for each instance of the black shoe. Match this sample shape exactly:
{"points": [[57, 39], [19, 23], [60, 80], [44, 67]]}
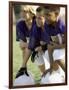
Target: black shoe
{"points": [[21, 72], [33, 56]]}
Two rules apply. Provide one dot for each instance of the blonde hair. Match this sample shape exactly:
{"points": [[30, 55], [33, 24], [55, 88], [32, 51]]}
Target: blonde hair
{"points": [[28, 8]]}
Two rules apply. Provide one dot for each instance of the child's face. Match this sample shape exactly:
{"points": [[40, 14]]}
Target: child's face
{"points": [[40, 19], [25, 14], [51, 17]]}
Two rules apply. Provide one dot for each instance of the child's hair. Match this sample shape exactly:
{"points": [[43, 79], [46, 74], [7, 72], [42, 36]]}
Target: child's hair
{"points": [[28, 8], [48, 9], [40, 9]]}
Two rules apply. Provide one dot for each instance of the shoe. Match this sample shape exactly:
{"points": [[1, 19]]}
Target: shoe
{"points": [[33, 56], [21, 72]]}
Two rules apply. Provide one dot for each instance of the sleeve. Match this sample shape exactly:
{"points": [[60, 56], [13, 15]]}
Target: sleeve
{"points": [[19, 32]]}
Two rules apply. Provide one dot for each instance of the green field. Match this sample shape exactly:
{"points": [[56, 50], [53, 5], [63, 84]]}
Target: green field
{"points": [[17, 60]]}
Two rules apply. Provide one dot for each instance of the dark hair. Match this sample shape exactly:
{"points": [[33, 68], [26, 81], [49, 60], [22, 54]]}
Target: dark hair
{"points": [[56, 9], [39, 9]]}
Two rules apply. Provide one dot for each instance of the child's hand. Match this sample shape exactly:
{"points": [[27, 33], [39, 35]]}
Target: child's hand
{"points": [[42, 42], [55, 39], [52, 45], [38, 49], [46, 71], [23, 44]]}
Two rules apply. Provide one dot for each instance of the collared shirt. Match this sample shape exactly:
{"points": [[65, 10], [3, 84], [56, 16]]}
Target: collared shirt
{"points": [[38, 35], [58, 28], [22, 31]]}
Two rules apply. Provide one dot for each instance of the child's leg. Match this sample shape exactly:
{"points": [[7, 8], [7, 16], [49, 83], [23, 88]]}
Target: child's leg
{"points": [[61, 63], [59, 57], [25, 52], [25, 57], [42, 68], [23, 49], [55, 66], [39, 61]]}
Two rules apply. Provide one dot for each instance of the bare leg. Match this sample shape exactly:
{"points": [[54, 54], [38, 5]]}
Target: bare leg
{"points": [[23, 54], [40, 62], [55, 66], [62, 64], [26, 57], [42, 68]]}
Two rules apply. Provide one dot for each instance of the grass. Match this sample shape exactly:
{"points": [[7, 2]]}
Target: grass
{"points": [[17, 60]]}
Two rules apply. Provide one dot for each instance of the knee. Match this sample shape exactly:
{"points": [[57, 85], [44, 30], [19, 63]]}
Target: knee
{"points": [[55, 66], [22, 47]]}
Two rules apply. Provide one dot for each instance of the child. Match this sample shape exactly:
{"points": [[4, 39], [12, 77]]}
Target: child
{"points": [[55, 29], [24, 29]]}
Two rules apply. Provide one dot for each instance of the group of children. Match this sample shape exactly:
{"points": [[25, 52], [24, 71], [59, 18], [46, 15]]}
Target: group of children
{"points": [[41, 34]]}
